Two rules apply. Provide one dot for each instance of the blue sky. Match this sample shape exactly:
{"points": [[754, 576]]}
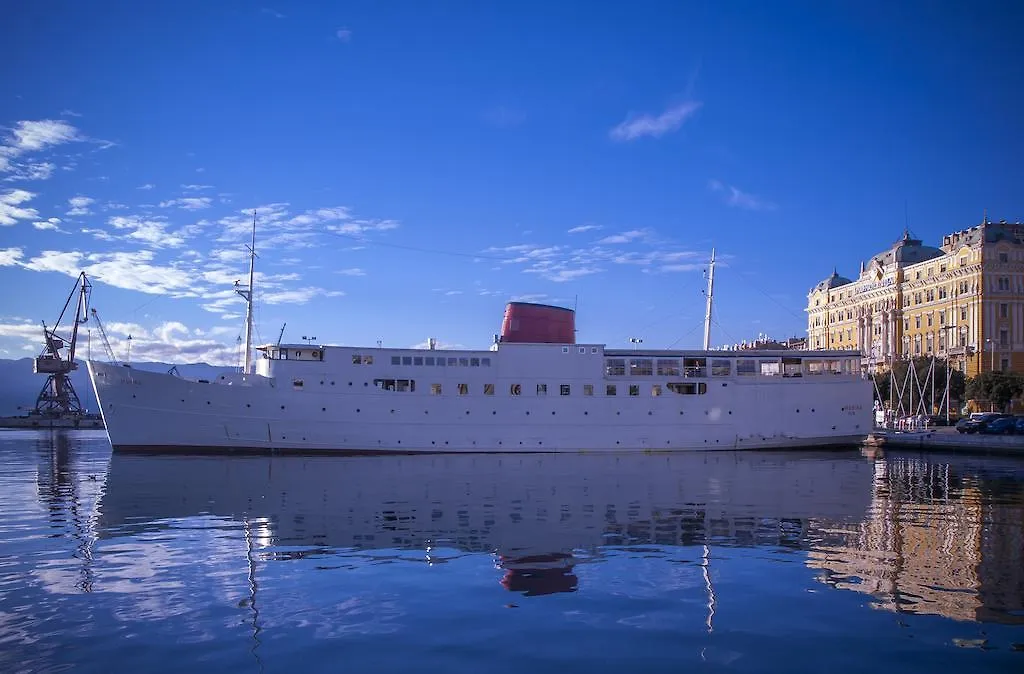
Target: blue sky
{"points": [[416, 165]]}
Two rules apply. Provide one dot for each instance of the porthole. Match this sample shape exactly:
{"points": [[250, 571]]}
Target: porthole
{"points": [[618, 413], [433, 442], [494, 412], [357, 410], [392, 411], [282, 406], [248, 405], [586, 413], [812, 409], [350, 383], [467, 411], [650, 413], [552, 413], [527, 414], [323, 409]]}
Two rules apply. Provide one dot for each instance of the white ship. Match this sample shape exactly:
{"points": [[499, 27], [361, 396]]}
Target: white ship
{"points": [[536, 389]]}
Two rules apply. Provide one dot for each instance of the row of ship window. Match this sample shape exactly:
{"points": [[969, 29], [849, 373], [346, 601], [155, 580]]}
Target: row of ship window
{"points": [[697, 367], [429, 361], [679, 388]]}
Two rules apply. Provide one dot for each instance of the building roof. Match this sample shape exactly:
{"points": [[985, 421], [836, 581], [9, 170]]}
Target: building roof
{"points": [[907, 251], [833, 281]]}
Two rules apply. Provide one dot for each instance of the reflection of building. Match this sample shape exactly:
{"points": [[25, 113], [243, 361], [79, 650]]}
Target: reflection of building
{"points": [[962, 300], [933, 544]]}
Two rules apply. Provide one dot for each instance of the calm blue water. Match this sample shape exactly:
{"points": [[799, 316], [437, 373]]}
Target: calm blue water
{"points": [[739, 562]]}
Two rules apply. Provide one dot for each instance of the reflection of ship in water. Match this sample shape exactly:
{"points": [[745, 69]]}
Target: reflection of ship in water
{"points": [[541, 515], [940, 538]]}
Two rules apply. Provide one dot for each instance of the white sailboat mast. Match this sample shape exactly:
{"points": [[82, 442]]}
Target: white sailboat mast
{"points": [[710, 293], [246, 294]]}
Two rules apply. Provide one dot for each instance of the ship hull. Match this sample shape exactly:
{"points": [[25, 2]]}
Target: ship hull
{"points": [[146, 411]]}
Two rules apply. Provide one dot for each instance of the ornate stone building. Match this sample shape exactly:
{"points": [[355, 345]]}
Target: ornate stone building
{"points": [[963, 301]]}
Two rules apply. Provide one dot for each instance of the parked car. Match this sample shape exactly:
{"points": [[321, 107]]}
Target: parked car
{"points": [[1000, 426], [977, 421], [1020, 425]]}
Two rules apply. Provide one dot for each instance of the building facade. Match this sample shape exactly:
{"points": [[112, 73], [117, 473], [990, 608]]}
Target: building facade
{"points": [[963, 301]]}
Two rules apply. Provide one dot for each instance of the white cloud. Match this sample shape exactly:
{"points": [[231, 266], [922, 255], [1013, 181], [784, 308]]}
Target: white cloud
{"points": [[188, 203], [739, 199], [10, 256], [624, 237], [451, 293], [24, 330], [38, 171], [49, 223], [151, 231], [147, 186], [655, 126], [298, 295], [354, 271], [11, 210], [196, 188], [128, 270], [272, 12], [80, 205], [584, 228], [360, 227], [31, 136], [344, 34]]}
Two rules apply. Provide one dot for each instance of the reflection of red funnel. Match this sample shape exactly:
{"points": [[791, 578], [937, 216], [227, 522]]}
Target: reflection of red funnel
{"points": [[537, 575]]}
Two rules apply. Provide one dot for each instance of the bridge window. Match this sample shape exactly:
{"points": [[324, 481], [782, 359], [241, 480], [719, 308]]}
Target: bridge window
{"points": [[614, 367], [746, 367], [641, 367], [695, 367], [770, 368], [429, 360], [395, 360], [668, 367], [792, 367], [720, 368], [406, 360], [417, 360]]}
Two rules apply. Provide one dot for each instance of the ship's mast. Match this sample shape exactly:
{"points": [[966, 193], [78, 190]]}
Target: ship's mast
{"points": [[710, 294], [246, 294]]}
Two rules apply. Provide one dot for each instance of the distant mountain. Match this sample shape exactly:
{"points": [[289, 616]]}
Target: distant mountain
{"points": [[19, 386]]}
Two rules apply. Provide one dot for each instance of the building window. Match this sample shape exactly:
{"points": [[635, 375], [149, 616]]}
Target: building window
{"points": [[1004, 364], [488, 389], [1003, 310], [463, 389], [435, 389], [656, 390], [609, 390], [634, 389], [542, 389], [588, 389], [929, 320], [1004, 257], [963, 313], [516, 389], [563, 389], [917, 321], [1004, 337]]}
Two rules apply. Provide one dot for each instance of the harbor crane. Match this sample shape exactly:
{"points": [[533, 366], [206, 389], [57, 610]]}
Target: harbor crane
{"points": [[57, 360]]}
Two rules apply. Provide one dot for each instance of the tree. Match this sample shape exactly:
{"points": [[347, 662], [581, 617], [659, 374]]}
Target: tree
{"points": [[922, 366], [997, 388]]}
